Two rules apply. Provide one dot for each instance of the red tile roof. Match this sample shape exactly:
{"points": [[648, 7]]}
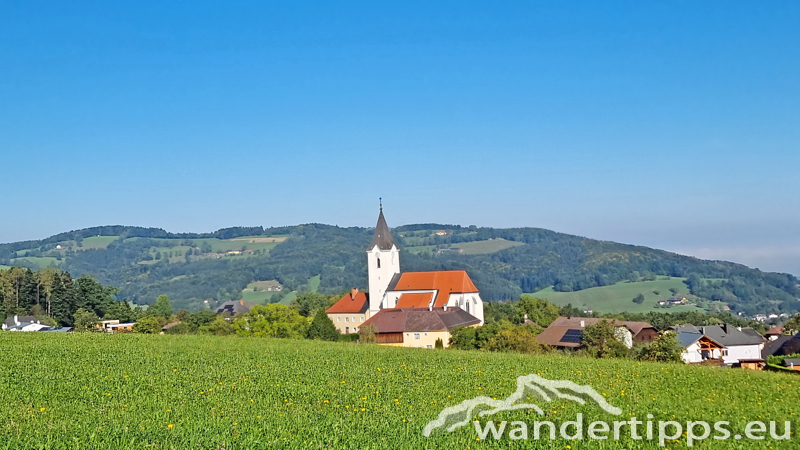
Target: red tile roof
{"points": [[446, 282], [349, 305], [415, 300]]}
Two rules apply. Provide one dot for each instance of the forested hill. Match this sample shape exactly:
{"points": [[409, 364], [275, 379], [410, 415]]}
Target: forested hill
{"points": [[198, 270]]}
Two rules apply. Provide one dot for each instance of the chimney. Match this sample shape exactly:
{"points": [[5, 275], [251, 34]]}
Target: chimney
{"points": [[353, 293], [583, 324], [241, 302]]}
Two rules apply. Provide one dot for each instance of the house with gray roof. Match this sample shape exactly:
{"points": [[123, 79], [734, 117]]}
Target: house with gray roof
{"points": [[740, 346]]}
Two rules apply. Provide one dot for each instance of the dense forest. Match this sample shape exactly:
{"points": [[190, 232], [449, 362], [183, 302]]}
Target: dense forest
{"points": [[539, 259], [54, 294]]}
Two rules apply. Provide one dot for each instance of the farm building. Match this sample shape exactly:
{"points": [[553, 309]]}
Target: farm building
{"points": [[418, 327]]}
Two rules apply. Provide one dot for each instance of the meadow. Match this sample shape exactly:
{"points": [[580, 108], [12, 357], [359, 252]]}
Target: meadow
{"points": [[90, 391], [618, 297], [472, 248]]}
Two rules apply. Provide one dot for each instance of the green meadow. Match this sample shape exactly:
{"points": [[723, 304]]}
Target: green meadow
{"points": [[99, 391], [472, 248], [618, 297]]}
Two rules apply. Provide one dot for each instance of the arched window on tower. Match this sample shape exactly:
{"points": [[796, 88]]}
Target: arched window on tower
{"points": [[379, 262]]}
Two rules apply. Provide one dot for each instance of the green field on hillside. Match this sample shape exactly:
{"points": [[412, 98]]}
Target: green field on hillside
{"points": [[100, 391], [472, 248], [40, 262], [618, 297], [258, 291]]}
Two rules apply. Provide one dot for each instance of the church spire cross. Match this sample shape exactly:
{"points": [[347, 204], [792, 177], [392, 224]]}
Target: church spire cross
{"points": [[380, 199]]}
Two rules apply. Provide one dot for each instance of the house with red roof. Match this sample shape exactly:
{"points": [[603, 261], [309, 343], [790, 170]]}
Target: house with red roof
{"points": [[391, 289], [350, 312]]}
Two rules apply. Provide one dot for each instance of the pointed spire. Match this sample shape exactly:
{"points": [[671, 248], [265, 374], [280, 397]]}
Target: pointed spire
{"points": [[383, 236]]}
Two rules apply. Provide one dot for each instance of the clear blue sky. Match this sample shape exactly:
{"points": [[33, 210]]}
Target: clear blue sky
{"points": [[674, 126]]}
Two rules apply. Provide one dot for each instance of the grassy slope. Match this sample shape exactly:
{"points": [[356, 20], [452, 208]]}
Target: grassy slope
{"points": [[237, 393], [40, 262], [617, 298], [472, 248]]}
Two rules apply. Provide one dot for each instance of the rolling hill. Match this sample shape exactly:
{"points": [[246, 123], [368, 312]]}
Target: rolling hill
{"points": [[203, 269]]}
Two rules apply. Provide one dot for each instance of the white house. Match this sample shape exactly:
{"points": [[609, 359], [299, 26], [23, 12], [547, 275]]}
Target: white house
{"points": [[726, 342]]}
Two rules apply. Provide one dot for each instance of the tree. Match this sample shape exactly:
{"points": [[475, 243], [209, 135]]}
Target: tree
{"points": [[538, 310], [218, 327], [639, 299], [273, 320], [674, 291], [793, 325], [657, 292], [665, 348], [322, 328], [307, 303], [520, 339], [85, 321], [121, 311], [366, 335], [200, 319], [602, 340], [149, 325], [438, 344], [161, 308], [462, 338]]}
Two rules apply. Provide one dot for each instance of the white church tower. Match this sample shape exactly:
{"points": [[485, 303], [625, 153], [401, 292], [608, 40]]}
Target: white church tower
{"points": [[383, 263]]}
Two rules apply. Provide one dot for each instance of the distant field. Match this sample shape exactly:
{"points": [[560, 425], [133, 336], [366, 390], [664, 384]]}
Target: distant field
{"points": [[472, 248], [2, 267], [262, 294], [313, 283], [40, 262], [219, 246], [618, 298], [97, 242]]}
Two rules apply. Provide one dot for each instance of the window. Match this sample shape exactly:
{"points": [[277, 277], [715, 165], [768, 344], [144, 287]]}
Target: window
{"points": [[416, 336], [338, 319], [346, 329], [428, 346], [355, 330], [724, 352], [406, 334], [379, 263], [361, 319], [347, 319], [354, 319], [426, 334]]}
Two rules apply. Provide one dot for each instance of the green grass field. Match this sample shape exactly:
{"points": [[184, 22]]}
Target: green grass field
{"points": [[40, 262], [96, 242], [617, 298], [260, 296], [2, 267], [472, 248], [99, 391]]}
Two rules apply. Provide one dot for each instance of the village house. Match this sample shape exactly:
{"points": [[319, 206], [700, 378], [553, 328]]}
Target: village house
{"points": [[418, 327], [120, 327], [350, 312], [792, 363], [698, 347], [18, 322], [567, 332], [235, 307], [740, 346], [782, 345]]}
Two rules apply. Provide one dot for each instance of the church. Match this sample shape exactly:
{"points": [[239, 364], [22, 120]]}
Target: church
{"points": [[419, 306]]}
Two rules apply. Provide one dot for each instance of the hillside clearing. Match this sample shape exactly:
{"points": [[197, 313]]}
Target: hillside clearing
{"points": [[472, 248], [618, 297]]}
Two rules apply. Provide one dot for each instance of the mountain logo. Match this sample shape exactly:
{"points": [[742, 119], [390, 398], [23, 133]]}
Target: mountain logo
{"points": [[534, 386]]}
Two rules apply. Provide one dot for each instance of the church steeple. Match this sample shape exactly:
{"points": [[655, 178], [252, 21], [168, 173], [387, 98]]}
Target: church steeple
{"points": [[383, 263], [383, 236]]}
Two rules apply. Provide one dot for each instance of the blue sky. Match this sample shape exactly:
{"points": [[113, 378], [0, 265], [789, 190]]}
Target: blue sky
{"points": [[674, 126]]}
